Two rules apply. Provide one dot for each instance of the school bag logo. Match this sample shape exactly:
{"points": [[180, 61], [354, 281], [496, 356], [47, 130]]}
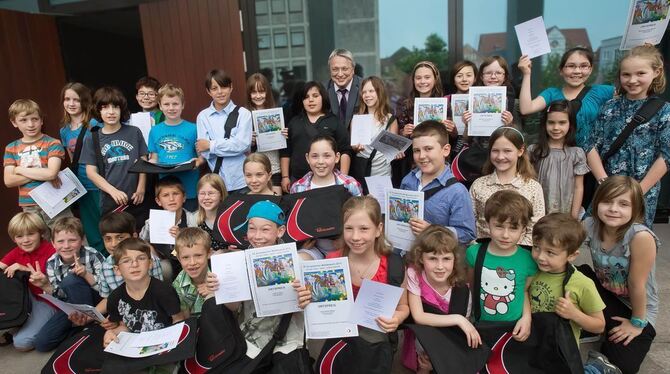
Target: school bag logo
{"points": [[497, 289]]}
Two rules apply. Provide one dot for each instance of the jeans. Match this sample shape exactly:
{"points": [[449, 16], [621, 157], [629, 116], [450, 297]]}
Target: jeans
{"points": [[40, 314]]}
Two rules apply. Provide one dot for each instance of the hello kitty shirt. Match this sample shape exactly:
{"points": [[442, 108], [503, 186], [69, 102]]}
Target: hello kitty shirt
{"points": [[501, 292]]}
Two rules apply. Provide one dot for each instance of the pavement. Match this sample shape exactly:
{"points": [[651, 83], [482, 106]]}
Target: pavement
{"points": [[656, 362]]}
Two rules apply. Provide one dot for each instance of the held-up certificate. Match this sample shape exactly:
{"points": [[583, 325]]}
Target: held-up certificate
{"points": [[459, 104], [231, 271], [69, 309], [268, 124], [271, 271], [486, 105], [429, 108], [377, 185], [54, 200], [532, 36], [145, 344], [160, 222], [362, 127], [328, 314], [375, 300], [647, 22], [401, 205], [144, 122], [390, 144]]}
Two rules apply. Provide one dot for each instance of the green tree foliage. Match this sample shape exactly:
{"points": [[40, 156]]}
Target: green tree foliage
{"points": [[435, 50]]}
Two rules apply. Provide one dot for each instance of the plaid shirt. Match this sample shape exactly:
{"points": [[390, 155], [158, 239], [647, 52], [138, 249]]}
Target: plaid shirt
{"points": [[57, 270], [189, 298], [109, 281], [350, 183]]}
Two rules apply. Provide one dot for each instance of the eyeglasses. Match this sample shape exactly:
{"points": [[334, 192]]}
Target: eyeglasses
{"points": [[345, 70], [208, 194], [126, 261], [146, 94], [577, 67], [494, 73]]}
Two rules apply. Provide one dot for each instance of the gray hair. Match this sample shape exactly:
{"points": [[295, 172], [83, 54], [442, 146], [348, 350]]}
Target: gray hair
{"points": [[341, 52]]}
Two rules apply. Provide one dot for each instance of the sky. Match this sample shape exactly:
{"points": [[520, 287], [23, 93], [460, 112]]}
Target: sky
{"points": [[402, 25]]}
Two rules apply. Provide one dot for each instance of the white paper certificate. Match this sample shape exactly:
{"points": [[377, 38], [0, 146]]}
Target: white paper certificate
{"points": [[160, 222], [377, 185], [146, 343], [231, 272], [68, 308], [390, 144], [647, 22], [486, 105], [362, 127], [532, 36], [268, 124], [271, 272], [143, 121], [54, 200], [328, 315], [401, 205], [375, 300], [429, 108], [459, 104]]}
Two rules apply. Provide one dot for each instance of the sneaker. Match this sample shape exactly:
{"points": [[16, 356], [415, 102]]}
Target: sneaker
{"points": [[599, 361]]}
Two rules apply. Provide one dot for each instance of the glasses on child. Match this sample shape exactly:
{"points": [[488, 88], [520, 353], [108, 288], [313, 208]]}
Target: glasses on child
{"points": [[127, 261], [150, 94], [577, 67], [208, 194], [494, 73]]}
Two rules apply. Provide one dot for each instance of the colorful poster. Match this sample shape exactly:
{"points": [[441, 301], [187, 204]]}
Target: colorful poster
{"points": [[401, 206], [268, 124], [486, 105], [271, 273], [459, 104], [429, 108], [647, 22]]}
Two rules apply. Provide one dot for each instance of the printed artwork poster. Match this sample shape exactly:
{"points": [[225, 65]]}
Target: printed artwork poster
{"points": [[401, 206], [430, 108], [486, 105], [268, 124], [646, 23], [271, 271], [459, 104]]}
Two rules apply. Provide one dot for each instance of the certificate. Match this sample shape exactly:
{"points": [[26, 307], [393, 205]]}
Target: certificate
{"points": [[401, 205], [136, 345], [231, 271], [532, 36], [54, 200], [390, 144], [362, 126], [69, 309], [268, 124], [160, 222], [143, 121], [271, 271], [486, 105], [646, 23], [429, 108], [375, 300], [377, 185], [328, 314], [459, 104]]}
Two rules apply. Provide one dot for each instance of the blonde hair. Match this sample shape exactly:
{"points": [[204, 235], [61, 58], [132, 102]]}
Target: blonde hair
{"points": [[651, 54], [523, 165], [216, 182], [261, 159], [383, 108], [26, 106], [369, 205], [68, 224], [190, 236], [611, 188], [85, 100], [437, 239], [25, 223], [170, 90]]}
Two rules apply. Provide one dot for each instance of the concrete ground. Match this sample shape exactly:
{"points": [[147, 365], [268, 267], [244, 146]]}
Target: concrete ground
{"points": [[657, 361]]}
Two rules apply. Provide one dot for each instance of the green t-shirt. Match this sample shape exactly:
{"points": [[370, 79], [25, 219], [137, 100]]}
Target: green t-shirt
{"points": [[503, 282], [546, 288]]}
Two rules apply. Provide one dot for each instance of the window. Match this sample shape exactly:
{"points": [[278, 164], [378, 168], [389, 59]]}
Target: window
{"points": [[281, 40], [297, 38], [263, 41], [278, 6], [294, 6], [261, 7]]}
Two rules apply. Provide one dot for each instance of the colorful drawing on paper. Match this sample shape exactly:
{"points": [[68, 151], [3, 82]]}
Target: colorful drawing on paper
{"points": [[650, 11], [268, 123], [459, 107], [326, 285], [426, 112], [487, 103], [403, 209], [270, 271], [153, 348]]}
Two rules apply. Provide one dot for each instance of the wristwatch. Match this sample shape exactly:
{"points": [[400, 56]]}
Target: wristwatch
{"points": [[639, 322]]}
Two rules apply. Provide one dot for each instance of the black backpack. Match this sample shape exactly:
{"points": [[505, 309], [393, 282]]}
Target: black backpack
{"points": [[231, 122], [15, 305]]}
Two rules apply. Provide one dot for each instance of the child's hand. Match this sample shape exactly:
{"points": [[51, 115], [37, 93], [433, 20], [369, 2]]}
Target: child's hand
{"points": [[284, 132], [202, 145], [388, 324], [119, 197], [424, 364], [449, 124], [13, 268], [304, 295], [174, 230], [233, 248], [138, 197], [418, 225], [79, 319], [521, 330], [566, 308], [36, 276], [400, 155], [78, 269], [525, 64], [108, 325], [203, 290], [507, 117], [212, 282], [56, 182], [358, 148], [309, 244], [253, 138], [286, 184], [408, 129], [467, 116], [110, 336], [625, 332], [471, 333]]}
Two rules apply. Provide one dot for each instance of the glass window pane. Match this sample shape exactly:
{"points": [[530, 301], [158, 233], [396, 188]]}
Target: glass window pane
{"points": [[281, 40], [261, 7], [297, 38], [278, 6], [295, 5], [263, 41]]}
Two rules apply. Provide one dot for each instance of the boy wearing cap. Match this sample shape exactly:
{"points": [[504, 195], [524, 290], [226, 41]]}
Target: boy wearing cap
{"points": [[265, 226]]}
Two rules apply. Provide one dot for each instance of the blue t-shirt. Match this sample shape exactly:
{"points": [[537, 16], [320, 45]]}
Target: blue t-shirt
{"points": [[69, 139], [586, 117], [175, 144]]}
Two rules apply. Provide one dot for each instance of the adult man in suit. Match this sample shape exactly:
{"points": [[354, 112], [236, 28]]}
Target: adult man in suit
{"points": [[343, 86]]}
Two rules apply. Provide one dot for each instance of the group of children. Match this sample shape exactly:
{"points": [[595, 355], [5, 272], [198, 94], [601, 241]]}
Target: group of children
{"points": [[526, 198]]}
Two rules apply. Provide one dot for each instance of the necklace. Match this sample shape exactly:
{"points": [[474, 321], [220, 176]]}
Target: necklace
{"points": [[361, 274]]}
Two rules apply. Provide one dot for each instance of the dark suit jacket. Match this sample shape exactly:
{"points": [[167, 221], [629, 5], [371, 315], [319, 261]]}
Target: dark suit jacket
{"points": [[352, 101]]}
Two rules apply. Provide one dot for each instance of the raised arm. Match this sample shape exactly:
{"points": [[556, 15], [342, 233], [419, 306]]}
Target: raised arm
{"points": [[527, 104]]}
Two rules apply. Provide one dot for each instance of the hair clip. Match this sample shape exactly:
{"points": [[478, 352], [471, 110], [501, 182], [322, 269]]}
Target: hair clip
{"points": [[503, 128]]}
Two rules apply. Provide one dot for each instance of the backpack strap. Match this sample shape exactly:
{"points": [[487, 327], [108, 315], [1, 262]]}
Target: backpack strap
{"points": [[95, 133], [427, 194], [576, 103], [458, 302], [278, 335], [231, 122], [648, 110], [396, 270], [74, 166], [368, 165], [476, 285]]}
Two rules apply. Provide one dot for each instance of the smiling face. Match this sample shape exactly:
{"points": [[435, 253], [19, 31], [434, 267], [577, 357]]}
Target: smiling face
{"points": [[424, 81], [256, 177], [636, 75], [493, 74], [146, 97], [341, 71], [429, 155], [262, 232], [28, 241], [505, 235], [209, 197], [71, 102], [505, 155], [437, 267], [369, 95], [170, 198], [576, 70], [172, 106], [193, 260], [551, 258], [30, 125], [360, 232], [257, 97], [464, 79], [313, 102], [67, 245], [322, 158], [219, 94], [616, 212], [110, 114], [558, 125]]}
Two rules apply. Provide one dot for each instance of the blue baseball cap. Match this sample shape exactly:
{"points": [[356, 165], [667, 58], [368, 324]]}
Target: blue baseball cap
{"points": [[264, 209]]}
